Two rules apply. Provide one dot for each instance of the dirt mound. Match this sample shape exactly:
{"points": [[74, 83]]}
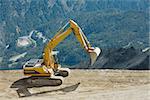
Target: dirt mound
{"points": [[122, 58]]}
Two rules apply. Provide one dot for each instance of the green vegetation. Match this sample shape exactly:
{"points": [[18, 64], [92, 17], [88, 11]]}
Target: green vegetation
{"points": [[108, 24]]}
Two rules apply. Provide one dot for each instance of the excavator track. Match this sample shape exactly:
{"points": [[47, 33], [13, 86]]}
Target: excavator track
{"points": [[45, 81], [23, 84], [36, 81]]}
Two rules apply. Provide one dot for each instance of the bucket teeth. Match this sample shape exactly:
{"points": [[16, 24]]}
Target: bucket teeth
{"points": [[94, 54]]}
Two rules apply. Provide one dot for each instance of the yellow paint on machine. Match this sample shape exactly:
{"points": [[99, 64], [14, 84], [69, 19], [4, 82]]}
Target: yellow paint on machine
{"points": [[36, 71]]}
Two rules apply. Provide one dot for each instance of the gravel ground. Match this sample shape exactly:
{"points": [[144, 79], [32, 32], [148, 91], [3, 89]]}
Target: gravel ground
{"points": [[95, 85]]}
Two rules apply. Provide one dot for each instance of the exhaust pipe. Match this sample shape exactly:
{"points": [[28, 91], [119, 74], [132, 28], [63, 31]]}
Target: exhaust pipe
{"points": [[94, 54]]}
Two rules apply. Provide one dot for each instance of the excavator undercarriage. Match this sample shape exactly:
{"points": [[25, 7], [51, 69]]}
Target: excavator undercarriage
{"points": [[42, 76]]}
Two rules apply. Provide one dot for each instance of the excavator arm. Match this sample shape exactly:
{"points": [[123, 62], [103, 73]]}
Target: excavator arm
{"points": [[46, 71], [70, 27]]}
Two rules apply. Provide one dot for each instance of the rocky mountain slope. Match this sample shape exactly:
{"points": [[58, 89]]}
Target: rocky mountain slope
{"points": [[108, 24], [122, 58]]}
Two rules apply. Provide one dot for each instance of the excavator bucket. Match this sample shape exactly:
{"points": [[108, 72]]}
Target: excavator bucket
{"points": [[94, 54]]}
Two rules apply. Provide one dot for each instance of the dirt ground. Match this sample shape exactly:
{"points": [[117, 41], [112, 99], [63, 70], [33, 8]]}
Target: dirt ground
{"points": [[95, 85]]}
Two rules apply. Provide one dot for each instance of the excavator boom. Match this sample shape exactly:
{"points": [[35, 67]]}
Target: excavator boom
{"points": [[70, 27]]}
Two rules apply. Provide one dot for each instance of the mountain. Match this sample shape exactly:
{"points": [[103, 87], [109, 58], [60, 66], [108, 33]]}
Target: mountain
{"points": [[108, 24], [121, 58]]}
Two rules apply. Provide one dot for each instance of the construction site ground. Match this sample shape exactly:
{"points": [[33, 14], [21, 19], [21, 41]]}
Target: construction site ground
{"points": [[94, 85]]}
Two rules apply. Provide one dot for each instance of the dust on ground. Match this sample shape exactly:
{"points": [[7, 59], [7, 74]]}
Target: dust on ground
{"points": [[95, 85]]}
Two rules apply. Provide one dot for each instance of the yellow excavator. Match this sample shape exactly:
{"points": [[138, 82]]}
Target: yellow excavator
{"points": [[47, 71]]}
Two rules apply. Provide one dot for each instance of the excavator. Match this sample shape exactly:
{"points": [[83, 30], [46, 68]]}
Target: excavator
{"points": [[47, 71]]}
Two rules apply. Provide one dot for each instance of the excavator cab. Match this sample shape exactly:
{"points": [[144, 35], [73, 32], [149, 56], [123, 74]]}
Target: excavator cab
{"points": [[33, 63], [33, 67]]}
